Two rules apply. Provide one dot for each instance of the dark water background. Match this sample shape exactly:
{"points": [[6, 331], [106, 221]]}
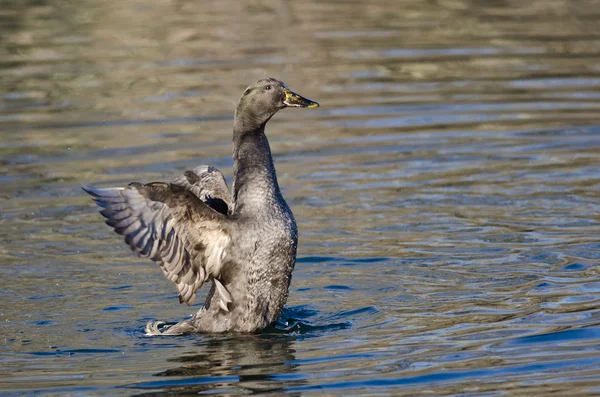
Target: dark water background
{"points": [[447, 193]]}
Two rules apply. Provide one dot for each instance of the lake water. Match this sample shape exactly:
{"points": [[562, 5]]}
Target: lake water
{"points": [[447, 193]]}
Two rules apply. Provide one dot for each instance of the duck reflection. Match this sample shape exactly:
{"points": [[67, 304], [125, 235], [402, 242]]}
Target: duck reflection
{"points": [[232, 366]]}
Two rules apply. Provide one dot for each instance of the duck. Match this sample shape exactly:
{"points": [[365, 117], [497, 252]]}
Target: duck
{"points": [[243, 242]]}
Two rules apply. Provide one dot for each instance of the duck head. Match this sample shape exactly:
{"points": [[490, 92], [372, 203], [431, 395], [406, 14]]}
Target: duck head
{"points": [[263, 99]]}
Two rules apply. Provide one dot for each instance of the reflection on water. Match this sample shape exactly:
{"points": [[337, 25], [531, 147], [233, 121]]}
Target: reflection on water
{"points": [[446, 193], [230, 365]]}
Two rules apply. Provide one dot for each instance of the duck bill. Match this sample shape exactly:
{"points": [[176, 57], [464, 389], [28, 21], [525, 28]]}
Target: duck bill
{"points": [[295, 100]]}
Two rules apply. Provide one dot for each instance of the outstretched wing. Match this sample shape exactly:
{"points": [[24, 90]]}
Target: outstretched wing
{"points": [[170, 225], [209, 185]]}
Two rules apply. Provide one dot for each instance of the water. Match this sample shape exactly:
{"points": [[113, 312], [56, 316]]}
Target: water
{"points": [[447, 194]]}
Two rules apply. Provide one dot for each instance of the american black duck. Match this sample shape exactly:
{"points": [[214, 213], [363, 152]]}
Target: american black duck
{"points": [[244, 243]]}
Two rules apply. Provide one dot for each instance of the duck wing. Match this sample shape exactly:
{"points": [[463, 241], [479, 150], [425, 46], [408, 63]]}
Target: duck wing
{"points": [[208, 184], [170, 225]]}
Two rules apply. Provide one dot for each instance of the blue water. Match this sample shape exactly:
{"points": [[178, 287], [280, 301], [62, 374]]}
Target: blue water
{"points": [[446, 192]]}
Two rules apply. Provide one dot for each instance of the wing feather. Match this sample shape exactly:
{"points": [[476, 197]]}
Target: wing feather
{"points": [[209, 185], [172, 226]]}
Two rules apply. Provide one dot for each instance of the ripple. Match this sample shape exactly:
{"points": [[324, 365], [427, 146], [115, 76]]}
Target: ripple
{"points": [[446, 194]]}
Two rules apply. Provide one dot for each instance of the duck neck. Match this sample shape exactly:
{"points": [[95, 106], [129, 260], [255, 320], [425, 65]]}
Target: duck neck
{"points": [[255, 184]]}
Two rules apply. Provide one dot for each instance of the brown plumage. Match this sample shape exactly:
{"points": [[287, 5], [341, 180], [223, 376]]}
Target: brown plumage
{"points": [[170, 225], [196, 231]]}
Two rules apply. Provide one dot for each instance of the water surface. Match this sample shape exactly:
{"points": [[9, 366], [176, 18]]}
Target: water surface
{"points": [[447, 194]]}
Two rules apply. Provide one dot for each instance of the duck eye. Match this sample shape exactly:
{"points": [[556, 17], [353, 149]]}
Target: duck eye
{"points": [[268, 87]]}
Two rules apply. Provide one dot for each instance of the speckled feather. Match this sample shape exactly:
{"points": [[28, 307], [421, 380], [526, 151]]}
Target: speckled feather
{"points": [[196, 231], [171, 226]]}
